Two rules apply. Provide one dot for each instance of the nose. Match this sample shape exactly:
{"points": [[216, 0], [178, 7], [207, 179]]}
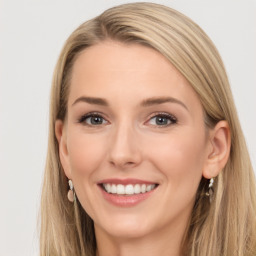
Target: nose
{"points": [[124, 150]]}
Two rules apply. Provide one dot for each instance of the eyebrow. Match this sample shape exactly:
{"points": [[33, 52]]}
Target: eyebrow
{"points": [[145, 103], [156, 100], [91, 100]]}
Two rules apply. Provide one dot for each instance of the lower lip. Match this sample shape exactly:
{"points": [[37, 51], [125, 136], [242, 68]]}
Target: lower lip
{"points": [[126, 201]]}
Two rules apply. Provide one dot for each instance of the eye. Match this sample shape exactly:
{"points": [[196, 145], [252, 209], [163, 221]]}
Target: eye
{"points": [[92, 119], [162, 120]]}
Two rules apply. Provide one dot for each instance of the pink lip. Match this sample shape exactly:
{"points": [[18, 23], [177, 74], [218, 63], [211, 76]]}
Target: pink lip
{"points": [[127, 200], [125, 181]]}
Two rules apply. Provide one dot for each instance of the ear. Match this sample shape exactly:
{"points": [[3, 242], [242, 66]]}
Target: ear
{"points": [[60, 133], [219, 149]]}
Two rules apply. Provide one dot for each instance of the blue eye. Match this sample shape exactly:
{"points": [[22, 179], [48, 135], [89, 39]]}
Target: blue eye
{"points": [[162, 120], [92, 119]]}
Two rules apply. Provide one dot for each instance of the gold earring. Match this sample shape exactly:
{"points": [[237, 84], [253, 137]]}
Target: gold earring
{"points": [[71, 192]]}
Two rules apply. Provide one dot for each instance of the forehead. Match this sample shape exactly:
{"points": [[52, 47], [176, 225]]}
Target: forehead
{"points": [[113, 69]]}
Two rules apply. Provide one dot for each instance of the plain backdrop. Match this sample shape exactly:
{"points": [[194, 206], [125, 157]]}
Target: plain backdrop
{"points": [[32, 33]]}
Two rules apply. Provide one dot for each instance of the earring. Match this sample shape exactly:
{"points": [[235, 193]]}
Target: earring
{"points": [[71, 192], [210, 191]]}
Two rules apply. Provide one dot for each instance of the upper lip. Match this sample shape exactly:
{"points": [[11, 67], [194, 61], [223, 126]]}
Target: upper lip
{"points": [[125, 181]]}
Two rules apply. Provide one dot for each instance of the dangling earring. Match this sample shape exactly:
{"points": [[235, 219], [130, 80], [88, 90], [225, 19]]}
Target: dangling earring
{"points": [[71, 192], [210, 191]]}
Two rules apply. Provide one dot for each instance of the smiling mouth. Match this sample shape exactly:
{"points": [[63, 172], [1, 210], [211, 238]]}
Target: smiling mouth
{"points": [[129, 189]]}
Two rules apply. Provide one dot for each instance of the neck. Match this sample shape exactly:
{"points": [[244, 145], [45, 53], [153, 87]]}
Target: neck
{"points": [[164, 241]]}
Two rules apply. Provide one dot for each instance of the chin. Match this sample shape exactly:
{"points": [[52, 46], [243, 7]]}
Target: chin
{"points": [[127, 227]]}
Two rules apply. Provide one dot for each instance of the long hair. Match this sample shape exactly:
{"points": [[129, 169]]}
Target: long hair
{"points": [[225, 227]]}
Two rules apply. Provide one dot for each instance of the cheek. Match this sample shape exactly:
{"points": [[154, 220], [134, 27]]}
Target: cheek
{"points": [[85, 153], [180, 158], [85, 157]]}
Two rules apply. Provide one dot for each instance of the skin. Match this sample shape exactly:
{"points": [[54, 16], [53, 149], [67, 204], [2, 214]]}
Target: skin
{"points": [[129, 143]]}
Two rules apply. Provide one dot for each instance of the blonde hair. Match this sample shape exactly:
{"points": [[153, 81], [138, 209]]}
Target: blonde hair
{"points": [[225, 227]]}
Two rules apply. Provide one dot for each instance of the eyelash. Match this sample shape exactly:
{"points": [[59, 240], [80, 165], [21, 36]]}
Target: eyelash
{"points": [[173, 120], [89, 115]]}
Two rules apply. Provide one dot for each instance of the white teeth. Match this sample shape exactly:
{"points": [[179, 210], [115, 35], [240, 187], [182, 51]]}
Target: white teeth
{"points": [[119, 189], [148, 188], [137, 189], [113, 189], [128, 189], [108, 187]]}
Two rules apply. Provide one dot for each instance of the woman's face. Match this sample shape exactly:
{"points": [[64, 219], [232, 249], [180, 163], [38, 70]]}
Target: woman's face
{"points": [[134, 142]]}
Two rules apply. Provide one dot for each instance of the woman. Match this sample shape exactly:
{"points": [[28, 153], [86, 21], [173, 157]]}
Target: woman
{"points": [[146, 155]]}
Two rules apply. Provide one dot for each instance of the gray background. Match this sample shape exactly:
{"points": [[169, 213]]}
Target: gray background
{"points": [[32, 33]]}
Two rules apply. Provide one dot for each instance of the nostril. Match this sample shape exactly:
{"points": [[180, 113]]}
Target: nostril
{"points": [[123, 163], [130, 163]]}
